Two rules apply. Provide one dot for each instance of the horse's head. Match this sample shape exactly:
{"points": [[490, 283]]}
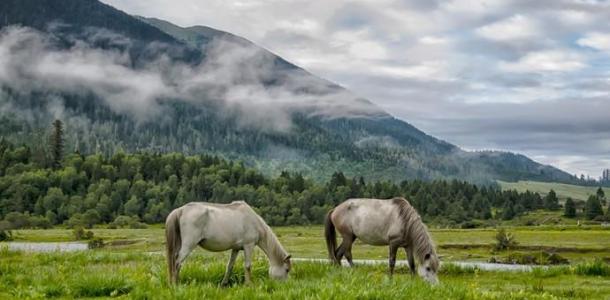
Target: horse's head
{"points": [[280, 272], [429, 267]]}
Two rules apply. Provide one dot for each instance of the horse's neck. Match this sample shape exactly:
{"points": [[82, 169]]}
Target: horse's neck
{"points": [[271, 246]]}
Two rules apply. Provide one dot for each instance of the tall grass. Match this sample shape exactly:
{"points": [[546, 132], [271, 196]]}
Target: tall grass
{"points": [[597, 268], [95, 274]]}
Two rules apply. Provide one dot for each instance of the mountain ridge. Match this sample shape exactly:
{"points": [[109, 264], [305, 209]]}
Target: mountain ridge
{"points": [[215, 92]]}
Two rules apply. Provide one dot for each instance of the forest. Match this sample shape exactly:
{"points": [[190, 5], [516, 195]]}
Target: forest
{"points": [[130, 189]]}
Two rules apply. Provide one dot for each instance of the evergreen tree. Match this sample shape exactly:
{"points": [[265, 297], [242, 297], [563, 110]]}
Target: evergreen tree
{"points": [[550, 201], [600, 193], [569, 208], [508, 211], [57, 143], [593, 208]]}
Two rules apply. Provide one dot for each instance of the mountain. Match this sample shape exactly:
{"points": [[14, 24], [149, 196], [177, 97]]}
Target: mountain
{"points": [[128, 83]]}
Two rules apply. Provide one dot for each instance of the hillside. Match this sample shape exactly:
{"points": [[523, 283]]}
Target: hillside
{"points": [[563, 191], [128, 83]]}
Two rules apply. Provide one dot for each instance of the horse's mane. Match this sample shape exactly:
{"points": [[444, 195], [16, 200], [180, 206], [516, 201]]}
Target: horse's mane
{"points": [[269, 241], [275, 251], [416, 232]]}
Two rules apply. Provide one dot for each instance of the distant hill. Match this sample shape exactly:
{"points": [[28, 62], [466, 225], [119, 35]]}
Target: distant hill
{"points": [[121, 82], [562, 190]]}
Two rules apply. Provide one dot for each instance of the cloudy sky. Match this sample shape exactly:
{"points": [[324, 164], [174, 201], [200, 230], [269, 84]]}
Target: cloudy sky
{"points": [[526, 76]]}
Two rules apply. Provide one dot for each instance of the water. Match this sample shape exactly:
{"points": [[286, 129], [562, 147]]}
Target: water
{"points": [[46, 247], [467, 264]]}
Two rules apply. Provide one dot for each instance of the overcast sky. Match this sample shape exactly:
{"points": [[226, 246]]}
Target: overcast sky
{"points": [[526, 76]]}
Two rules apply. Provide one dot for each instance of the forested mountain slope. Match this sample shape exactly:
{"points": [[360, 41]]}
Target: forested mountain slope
{"points": [[120, 82]]}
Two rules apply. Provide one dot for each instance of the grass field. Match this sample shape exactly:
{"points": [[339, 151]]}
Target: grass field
{"points": [[133, 266], [563, 190], [576, 243]]}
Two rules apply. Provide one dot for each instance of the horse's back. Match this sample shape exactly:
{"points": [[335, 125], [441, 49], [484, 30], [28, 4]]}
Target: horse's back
{"points": [[220, 226], [371, 220]]}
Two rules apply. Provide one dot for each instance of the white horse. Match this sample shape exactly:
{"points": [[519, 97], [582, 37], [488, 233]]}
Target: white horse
{"points": [[392, 222], [221, 227]]}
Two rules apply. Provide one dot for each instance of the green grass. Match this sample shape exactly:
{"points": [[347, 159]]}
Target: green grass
{"points": [[105, 274], [563, 190], [575, 243], [133, 267]]}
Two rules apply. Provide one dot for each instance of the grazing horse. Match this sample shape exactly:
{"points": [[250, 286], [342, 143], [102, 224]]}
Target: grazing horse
{"points": [[392, 222], [221, 227]]}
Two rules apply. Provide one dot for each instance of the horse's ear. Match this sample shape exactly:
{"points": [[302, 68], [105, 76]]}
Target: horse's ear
{"points": [[427, 256]]}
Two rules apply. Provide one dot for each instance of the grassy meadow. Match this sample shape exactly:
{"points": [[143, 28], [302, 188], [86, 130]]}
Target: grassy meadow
{"points": [[563, 190], [132, 266]]}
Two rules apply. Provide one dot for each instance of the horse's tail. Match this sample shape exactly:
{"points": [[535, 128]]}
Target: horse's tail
{"points": [[173, 244], [331, 237]]}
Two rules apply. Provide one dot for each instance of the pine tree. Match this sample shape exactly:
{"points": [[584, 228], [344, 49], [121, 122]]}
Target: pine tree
{"points": [[601, 196], [550, 201], [600, 193], [593, 208], [508, 211], [57, 144], [569, 208]]}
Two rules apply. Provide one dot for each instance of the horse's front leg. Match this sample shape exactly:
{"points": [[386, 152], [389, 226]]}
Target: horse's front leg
{"points": [[411, 259], [225, 279], [248, 250], [392, 257]]}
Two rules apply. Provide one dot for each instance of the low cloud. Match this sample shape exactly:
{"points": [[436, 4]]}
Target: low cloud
{"points": [[243, 79]]}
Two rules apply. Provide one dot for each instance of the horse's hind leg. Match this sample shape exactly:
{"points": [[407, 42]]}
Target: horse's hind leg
{"points": [[187, 246], [348, 249], [345, 248], [225, 279]]}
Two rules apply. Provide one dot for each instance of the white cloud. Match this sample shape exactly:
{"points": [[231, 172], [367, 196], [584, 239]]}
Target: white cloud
{"points": [[546, 61], [515, 28], [596, 40]]}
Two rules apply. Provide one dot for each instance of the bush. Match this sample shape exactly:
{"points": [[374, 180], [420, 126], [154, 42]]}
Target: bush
{"points": [[96, 243], [40, 222], [471, 224], [505, 240], [17, 220], [6, 235], [533, 258], [81, 234], [127, 221], [138, 225], [556, 259], [122, 221]]}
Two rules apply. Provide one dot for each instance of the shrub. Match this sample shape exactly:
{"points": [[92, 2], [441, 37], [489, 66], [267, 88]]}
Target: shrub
{"points": [[505, 240], [40, 222], [81, 234], [127, 221], [471, 224], [96, 243], [17, 220], [138, 225], [556, 259], [6, 235]]}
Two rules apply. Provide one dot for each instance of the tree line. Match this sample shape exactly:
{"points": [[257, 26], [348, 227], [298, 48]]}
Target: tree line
{"points": [[592, 209], [144, 187]]}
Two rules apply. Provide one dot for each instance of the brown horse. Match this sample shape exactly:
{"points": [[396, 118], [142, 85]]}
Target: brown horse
{"points": [[392, 222]]}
